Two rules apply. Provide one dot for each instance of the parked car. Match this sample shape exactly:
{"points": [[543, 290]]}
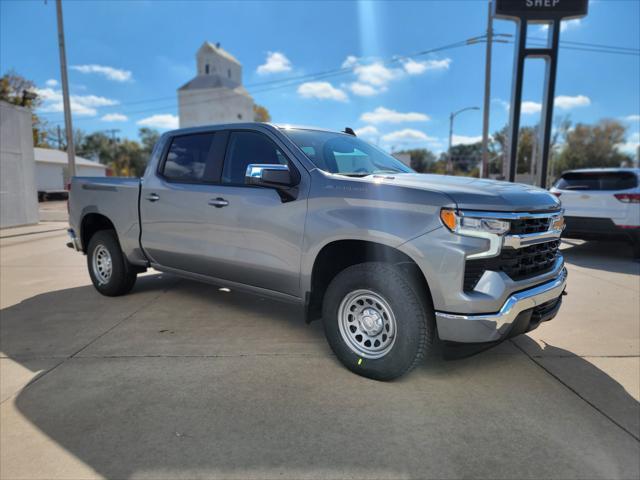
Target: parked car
{"points": [[391, 260], [601, 203]]}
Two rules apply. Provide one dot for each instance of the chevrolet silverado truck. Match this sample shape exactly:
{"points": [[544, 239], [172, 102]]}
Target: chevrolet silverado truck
{"points": [[392, 261]]}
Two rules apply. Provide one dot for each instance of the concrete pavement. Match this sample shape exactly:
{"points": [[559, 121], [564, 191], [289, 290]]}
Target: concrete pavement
{"points": [[182, 380]]}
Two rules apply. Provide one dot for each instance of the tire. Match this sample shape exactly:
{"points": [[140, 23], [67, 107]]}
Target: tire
{"points": [[400, 319], [111, 278]]}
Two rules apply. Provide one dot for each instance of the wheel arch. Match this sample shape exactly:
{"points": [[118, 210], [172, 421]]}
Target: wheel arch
{"points": [[91, 223], [337, 255]]}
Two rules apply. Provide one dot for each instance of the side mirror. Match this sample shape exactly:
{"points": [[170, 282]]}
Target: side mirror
{"points": [[268, 175]]}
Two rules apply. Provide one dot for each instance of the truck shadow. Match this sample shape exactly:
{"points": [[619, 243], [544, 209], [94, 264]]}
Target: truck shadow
{"points": [[129, 405], [608, 256]]}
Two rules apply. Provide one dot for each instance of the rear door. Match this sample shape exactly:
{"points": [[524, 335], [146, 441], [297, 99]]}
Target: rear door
{"points": [[175, 211]]}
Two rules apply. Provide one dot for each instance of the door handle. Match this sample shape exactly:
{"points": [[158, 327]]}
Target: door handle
{"points": [[218, 202], [153, 197]]}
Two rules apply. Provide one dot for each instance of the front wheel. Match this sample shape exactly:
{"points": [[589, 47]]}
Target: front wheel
{"points": [[377, 321], [110, 272]]}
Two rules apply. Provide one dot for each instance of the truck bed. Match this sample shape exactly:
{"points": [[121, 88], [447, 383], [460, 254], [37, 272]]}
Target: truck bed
{"points": [[114, 197]]}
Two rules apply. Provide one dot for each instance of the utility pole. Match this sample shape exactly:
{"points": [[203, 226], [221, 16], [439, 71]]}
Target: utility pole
{"points": [[484, 170], [114, 142], [452, 116], [59, 138], [71, 157]]}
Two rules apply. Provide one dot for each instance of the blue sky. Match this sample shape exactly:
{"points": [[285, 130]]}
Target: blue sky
{"points": [[128, 58]]}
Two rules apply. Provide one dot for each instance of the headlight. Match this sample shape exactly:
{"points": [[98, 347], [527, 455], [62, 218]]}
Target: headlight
{"points": [[472, 226]]}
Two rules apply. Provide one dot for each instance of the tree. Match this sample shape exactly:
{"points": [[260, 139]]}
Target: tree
{"points": [[18, 90], [98, 146], [260, 113], [60, 142], [421, 158], [148, 138], [588, 146]]}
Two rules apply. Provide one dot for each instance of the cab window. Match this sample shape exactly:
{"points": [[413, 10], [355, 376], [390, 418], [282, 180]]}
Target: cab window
{"points": [[187, 157], [245, 148]]}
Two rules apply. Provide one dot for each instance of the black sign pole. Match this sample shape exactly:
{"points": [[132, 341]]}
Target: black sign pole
{"points": [[549, 96], [523, 11], [516, 99]]}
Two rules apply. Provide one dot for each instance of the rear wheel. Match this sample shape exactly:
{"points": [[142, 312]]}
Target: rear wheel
{"points": [[110, 272], [377, 321]]}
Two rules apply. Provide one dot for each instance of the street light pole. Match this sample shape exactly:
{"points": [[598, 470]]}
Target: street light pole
{"points": [[484, 169], [71, 157], [452, 116]]}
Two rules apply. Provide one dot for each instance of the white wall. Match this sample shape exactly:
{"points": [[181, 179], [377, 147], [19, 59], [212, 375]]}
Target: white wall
{"points": [[210, 106], [49, 176], [88, 171], [18, 196]]}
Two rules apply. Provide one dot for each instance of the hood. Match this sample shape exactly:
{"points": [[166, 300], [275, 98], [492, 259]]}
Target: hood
{"points": [[480, 194]]}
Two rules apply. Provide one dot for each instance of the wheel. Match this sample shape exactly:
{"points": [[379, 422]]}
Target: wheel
{"points": [[110, 272], [377, 321]]}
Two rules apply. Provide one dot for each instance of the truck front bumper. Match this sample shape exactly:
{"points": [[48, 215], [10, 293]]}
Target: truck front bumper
{"points": [[521, 312]]}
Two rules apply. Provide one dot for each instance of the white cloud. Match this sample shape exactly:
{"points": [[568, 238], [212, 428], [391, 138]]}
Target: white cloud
{"points": [[376, 74], [114, 117], [276, 62], [564, 102], [529, 108], [365, 90], [564, 25], [83, 105], [52, 82], [164, 121], [350, 61], [385, 115], [631, 145], [632, 118], [322, 91], [111, 73], [368, 131], [503, 103], [464, 140], [408, 135], [416, 68]]}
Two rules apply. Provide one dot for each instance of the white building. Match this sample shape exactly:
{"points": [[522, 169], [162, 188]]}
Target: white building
{"points": [[51, 169], [18, 201], [215, 94]]}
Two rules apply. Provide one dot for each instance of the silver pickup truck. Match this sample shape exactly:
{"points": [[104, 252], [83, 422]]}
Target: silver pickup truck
{"points": [[392, 261]]}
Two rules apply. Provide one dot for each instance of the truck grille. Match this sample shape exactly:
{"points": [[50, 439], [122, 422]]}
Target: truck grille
{"points": [[522, 226], [518, 264]]}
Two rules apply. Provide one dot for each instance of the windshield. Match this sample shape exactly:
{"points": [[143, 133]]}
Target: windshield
{"points": [[344, 154]]}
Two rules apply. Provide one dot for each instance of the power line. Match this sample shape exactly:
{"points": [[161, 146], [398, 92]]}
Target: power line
{"points": [[284, 83]]}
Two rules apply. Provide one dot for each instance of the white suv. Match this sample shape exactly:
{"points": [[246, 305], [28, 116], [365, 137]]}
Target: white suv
{"points": [[601, 203]]}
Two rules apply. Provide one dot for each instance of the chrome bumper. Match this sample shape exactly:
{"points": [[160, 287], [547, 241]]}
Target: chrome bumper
{"points": [[492, 327], [74, 240]]}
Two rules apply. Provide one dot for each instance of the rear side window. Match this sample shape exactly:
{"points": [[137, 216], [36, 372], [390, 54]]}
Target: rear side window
{"points": [[245, 148], [597, 181], [188, 156]]}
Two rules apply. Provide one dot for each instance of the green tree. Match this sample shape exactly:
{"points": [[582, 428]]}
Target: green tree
{"points": [[98, 146], [148, 138], [421, 159], [588, 146], [260, 113], [18, 90]]}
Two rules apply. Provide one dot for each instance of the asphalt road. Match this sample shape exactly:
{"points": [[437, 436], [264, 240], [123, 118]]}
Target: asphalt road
{"points": [[182, 380]]}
